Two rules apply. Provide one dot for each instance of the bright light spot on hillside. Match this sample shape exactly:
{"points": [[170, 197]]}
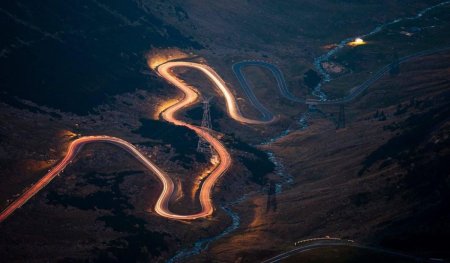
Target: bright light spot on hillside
{"points": [[357, 42]]}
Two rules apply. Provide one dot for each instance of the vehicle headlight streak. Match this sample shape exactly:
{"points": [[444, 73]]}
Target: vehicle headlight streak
{"points": [[168, 114]]}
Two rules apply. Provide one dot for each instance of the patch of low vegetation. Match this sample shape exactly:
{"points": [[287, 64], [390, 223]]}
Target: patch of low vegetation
{"points": [[259, 164], [360, 199], [182, 139], [311, 79], [415, 129], [421, 148], [138, 243]]}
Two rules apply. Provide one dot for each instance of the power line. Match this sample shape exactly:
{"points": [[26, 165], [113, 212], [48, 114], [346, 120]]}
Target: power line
{"points": [[203, 146]]}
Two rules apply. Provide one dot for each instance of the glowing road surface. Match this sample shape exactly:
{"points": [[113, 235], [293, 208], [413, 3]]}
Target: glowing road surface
{"points": [[162, 204], [191, 96]]}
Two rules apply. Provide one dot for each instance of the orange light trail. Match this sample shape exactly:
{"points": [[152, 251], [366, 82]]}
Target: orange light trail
{"points": [[162, 204], [191, 96]]}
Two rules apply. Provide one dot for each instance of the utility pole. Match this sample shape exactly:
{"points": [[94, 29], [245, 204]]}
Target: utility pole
{"points": [[203, 146], [341, 118], [394, 68], [271, 197]]}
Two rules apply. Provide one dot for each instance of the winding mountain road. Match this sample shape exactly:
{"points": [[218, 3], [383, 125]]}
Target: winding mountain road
{"points": [[165, 70], [342, 243], [190, 96], [282, 86]]}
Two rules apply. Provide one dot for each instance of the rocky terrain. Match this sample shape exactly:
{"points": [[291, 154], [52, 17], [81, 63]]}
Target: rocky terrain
{"points": [[382, 179], [75, 69]]}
